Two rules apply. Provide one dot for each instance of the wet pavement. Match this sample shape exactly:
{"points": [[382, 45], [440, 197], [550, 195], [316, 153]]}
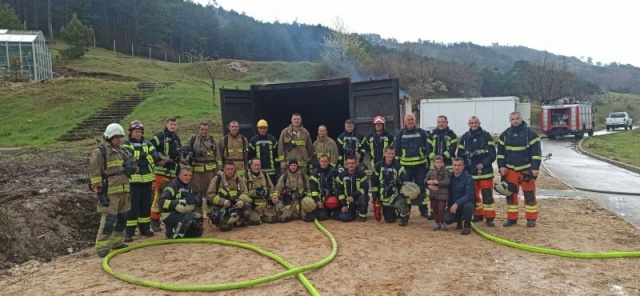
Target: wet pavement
{"points": [[579, 170]]}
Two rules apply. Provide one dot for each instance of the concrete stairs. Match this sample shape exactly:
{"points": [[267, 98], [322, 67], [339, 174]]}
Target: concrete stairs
{"points": [[94, 125]]}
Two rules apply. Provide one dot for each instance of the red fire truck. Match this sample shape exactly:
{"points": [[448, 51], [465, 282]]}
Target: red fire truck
{"points": [[567, 119]]}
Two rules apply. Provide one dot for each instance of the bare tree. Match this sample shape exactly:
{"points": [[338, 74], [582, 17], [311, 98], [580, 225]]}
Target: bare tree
{"points": [[544, 79], [202, 65]]}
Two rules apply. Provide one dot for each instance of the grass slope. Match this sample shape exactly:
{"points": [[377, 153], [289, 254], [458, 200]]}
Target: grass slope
{"points": [[621, 146], [38, 113]]}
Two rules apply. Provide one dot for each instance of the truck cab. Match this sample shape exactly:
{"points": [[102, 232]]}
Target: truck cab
{"points": [[618, 119]]}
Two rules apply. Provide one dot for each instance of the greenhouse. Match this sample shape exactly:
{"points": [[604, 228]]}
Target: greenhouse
{"points": [[30, 48]]}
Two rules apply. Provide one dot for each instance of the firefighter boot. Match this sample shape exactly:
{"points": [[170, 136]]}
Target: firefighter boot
{"points": [[490, 222], [404, 221], [531, 223], [155, 225], [509, 223]]}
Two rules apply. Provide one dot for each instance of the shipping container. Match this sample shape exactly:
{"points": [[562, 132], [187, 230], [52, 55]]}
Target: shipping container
{"points": [[328, 102], [567, 119]]}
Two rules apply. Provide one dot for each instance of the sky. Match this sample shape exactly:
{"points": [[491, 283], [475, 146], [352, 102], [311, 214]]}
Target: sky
{"points": [[607, 31]]}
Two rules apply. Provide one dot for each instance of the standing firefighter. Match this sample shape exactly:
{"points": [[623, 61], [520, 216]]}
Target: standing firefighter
{"points": [[228, 194], [477, 149], [264, 146], [411, 147], [388, 177], [377, 140], [323, 191], [260, 188], [167, 144], [178, 203], [234, 148], [205, 156], [353, 192], [141, 191], [324, 145], [350, 143], [519, 157], [291, 192], [109, 168], [295, 142]]}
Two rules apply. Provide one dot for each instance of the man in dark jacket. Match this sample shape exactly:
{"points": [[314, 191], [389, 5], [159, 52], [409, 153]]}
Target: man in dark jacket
{"points": [[411, 151], [478, 150], [178, 203], [461, 199], [353, 191]]}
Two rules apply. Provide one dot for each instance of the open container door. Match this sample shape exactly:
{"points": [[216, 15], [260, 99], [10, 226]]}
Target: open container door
{"points": [[237, 105], [375, 97]]}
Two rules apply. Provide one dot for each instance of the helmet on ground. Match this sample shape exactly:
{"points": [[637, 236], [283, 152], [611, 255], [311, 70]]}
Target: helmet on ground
{"points": [[262, 123], [136, 124], [410, 190], [379, 119], [331, 202], [113, 130], [308, 204], [505, 188]]}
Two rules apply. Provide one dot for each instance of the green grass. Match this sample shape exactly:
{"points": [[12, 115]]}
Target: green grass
{"points": [[620, 146], [36, 114], [616, 102]]}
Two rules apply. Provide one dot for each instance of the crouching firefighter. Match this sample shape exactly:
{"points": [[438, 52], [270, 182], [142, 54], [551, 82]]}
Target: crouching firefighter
{"points": [[291, 192], [323, 191], [387, 180], [109, 170], [259, 185], [353, 192], [231, 204], [178, 203]]}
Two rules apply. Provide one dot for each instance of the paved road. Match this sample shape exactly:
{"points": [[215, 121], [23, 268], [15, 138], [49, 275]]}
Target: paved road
{"points": [[580, 170]]}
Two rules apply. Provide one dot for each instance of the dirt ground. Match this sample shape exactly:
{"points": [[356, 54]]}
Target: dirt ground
{"points": [[374, 258]]}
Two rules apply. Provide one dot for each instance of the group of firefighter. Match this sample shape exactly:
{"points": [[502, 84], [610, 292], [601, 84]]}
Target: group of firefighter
{"points": [[235, 181]]}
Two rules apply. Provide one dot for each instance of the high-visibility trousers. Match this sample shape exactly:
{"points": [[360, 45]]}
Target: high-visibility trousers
{"points": [[529, 191], [155, 209], [485, 203]]}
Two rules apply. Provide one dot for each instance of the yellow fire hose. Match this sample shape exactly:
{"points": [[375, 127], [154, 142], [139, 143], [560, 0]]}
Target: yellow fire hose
{"points": [[291, 270]]}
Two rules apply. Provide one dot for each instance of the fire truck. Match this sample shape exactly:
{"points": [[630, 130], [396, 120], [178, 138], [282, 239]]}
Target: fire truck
{"points": [[574, 119]]}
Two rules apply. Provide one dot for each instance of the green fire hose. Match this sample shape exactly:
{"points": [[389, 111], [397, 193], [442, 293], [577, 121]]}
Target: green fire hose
{"points": [[291, 270]]}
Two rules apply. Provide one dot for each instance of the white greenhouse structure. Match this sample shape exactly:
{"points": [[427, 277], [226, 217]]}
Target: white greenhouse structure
{"points": [[31, 48]]}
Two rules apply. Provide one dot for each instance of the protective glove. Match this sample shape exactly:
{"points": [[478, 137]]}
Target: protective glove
{"points": [[103, 198], [130, 166]]}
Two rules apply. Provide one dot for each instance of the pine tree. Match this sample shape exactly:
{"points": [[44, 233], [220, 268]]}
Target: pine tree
{"points": [[78, 37], [8, 18]]}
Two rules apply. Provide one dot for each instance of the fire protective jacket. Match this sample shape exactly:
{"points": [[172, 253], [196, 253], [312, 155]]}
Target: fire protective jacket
{"points": [[375, 144], [167, 145], [349, 143], [387, 180], [355, 185], [323, 182], [234, 149], [146, 156], [519, 148], [118, 181], [443, 142], [294, 144], [223, 188], [411, 146], [478, 147], [205, 153], [326, 146], [171, 196]]}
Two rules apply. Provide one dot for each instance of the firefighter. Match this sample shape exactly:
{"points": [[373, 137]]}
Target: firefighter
{"points": [[178, 203], [204, 157], [295, 142], [228, 194], [352, 187], [234, 147], [519, 157], [444, 142], [264, 146], [324, 145], [322, 185], [350, 143], [388, 177], [109, 168], [260, 187], [377, 140], [168, 145], [477, 148], [461, 198], [292, 188], [410, 148], [140, 183]]}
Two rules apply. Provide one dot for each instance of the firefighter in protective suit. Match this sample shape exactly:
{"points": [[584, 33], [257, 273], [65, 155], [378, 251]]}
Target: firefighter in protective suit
{"points": [[519, 158], [377, 140], [477, 148], [388, 177], [264, 146], [178, 203], [228, 194], [260, 188], [353, 192], [204, 156], [109, 170], [291, 192], [322, 184]]}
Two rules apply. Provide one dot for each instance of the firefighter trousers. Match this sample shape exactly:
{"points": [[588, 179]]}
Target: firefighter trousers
{"points": [[530, 200], [155, 209], [263, 212], [138, 215], [113, 219], [485, 203], [417, 174]]}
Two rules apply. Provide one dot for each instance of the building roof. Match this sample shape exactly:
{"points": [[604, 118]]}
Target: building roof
{"points": [[18, 35]]}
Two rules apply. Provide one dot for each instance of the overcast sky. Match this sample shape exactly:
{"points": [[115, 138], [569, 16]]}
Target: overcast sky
{"points": [[606, 31]]}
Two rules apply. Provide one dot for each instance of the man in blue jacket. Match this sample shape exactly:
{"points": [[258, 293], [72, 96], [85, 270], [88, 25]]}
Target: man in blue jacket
{"points": [[461, 198]]}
